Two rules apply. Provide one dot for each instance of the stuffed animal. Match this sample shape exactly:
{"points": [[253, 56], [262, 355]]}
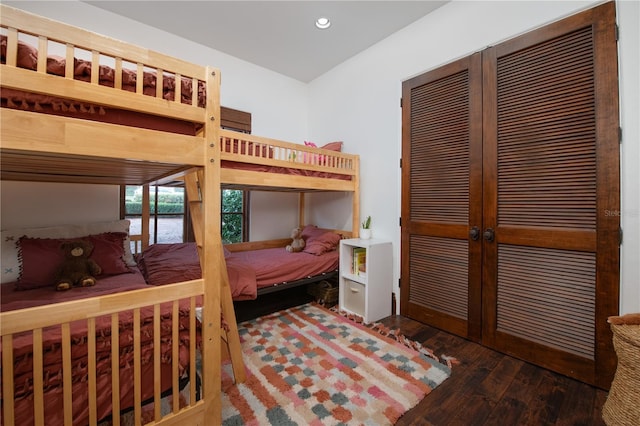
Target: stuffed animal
{"points": [[298, 242], [76, 268]]}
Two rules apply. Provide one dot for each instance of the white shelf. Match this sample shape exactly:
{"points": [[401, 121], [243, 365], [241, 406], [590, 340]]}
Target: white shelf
{"points": [[367, 295]]}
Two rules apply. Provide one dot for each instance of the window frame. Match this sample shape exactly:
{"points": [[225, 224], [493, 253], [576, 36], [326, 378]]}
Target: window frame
{"points": [[154, 214], [246, 199]]}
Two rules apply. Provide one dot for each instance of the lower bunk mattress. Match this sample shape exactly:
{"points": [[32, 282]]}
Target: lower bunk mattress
{"points": [[52, 352], [249, 271]]}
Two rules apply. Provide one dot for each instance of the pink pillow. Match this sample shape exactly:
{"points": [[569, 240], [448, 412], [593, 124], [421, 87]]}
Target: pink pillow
{"points": [[40, 257], [319, 241], [333, 146], [320, 159], [312, 231]]}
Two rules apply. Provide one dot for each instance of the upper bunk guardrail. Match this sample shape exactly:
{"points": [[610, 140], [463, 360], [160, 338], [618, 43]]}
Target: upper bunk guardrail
{"points": [[53, 50], [251, 149]]}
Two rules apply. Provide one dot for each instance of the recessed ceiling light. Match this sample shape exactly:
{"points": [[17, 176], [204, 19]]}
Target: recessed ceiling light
{"points": [[323, 23]]}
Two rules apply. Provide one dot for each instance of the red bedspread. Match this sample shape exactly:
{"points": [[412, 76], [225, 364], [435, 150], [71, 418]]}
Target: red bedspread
{"points": [[276, 265], [23, 360], [28, 57], [248, 270], [167, 263]]}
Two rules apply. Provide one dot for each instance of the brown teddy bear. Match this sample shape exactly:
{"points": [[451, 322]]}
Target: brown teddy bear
{"points": [[76, 268], [298, 242]]}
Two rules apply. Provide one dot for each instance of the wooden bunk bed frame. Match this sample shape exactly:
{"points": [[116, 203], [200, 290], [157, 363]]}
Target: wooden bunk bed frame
{"points": [[60, 149], [53, 148]]}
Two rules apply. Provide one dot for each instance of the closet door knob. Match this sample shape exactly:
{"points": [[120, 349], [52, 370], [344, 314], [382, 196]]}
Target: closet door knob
{"points": [[489, 235], [474, 233]]}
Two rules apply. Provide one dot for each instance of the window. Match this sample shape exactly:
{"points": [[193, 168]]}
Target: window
{"points": [[169, 215], [167, 207], [235, 216]]}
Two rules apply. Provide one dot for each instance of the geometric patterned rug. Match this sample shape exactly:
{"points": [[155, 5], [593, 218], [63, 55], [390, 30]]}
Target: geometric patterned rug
{"points": [[309, 365]]}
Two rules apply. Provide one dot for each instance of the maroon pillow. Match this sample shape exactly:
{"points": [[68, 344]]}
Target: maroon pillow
{"points": [[56, 65], [312, 231], [171, 262], [40, 257], [108, 252], [27, 54], [319, 241]]}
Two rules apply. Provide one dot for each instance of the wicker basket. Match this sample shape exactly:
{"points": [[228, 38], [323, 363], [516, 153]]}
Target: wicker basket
{"points": [[325, 292], [622, 406]]}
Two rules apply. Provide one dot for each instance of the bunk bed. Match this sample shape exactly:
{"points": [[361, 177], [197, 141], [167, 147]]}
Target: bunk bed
{"points": [[68, 118], [263, 164], [252, 162], [125, 355]]}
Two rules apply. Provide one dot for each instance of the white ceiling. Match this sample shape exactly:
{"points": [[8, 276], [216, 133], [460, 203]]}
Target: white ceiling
{"points": [[279, 35]]}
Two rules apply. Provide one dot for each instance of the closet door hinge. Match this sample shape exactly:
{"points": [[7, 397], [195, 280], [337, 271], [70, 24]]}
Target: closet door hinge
{"points": [[619, 134], [617, 30], [620, 236], [401, 163], [400, 222], [400, 102]]}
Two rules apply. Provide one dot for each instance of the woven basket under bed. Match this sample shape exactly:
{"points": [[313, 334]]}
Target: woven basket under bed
{"points": [[324, 292], [623, 402]]}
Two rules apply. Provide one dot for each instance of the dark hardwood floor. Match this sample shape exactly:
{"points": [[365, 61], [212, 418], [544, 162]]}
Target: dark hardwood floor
{"points": [[485, 388], [490, 388]]}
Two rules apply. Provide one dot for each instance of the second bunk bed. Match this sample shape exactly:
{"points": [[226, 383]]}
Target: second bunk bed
{"points": [[250, 162]]}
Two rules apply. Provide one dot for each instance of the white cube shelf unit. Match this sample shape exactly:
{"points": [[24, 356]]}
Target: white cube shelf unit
{"points": [[366, 278]]}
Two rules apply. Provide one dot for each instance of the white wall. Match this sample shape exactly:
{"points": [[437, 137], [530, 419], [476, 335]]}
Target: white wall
{"points": [[273, 215], [629, 69], [359, 103], [27, 204], [331, 210]]}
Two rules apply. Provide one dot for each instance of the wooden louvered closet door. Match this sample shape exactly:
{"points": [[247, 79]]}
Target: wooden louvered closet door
{"points": [[441, 196], [549, 247]]}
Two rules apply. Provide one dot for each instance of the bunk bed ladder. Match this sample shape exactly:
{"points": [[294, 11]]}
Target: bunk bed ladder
{"points": [[193, 185]]}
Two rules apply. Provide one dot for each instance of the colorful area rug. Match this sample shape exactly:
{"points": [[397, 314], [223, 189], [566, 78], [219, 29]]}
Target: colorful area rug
{"points": [[311, 366]]}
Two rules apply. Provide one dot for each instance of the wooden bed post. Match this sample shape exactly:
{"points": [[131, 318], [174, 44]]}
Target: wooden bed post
{"points": [[212, 259], [301, 212], [217, 292], [355, 220], [231, 337], [146, 217]]}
